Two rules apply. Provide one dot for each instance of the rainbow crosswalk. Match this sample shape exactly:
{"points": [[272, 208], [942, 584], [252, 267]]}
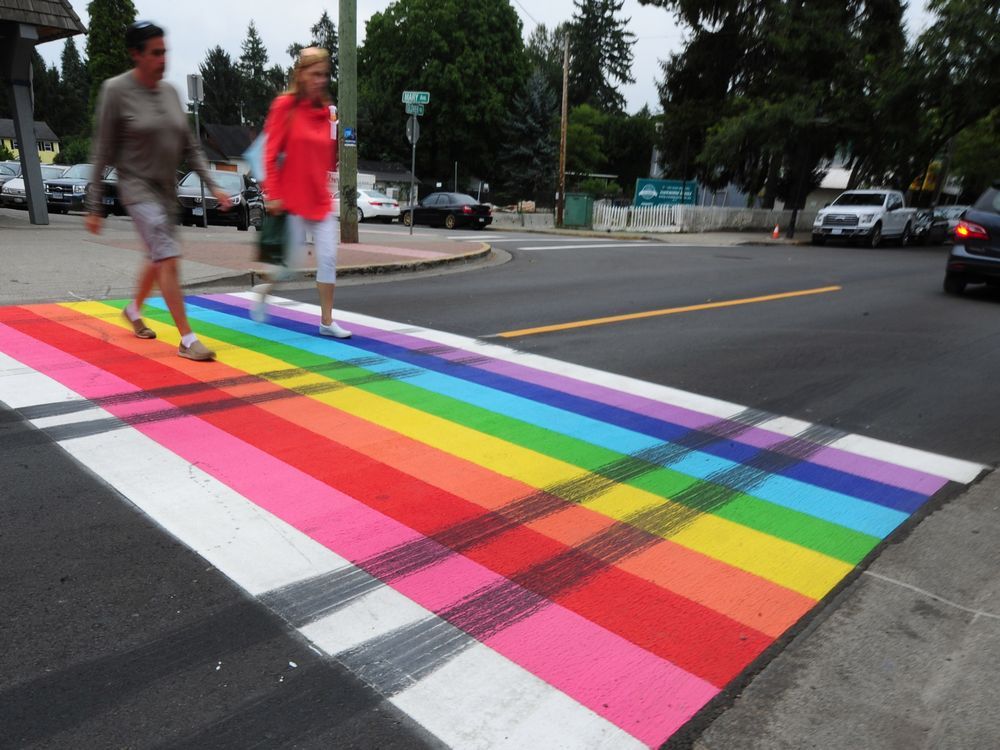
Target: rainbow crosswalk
{"points": [[519, 552]]}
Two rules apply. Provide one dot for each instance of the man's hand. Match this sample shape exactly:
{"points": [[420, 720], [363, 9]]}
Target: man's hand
{"points": [[93, 222], [225, 202], [276, 207]]}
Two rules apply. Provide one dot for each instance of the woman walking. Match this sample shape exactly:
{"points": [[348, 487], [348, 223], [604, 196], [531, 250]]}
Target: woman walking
{"points": [[300, 154]]}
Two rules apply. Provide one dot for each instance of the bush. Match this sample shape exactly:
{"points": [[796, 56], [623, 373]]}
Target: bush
{"points": [[598, 188], [74, 150], [6, 154]]}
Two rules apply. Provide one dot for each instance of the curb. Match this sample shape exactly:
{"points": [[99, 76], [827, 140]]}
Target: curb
{"points": [[594, 234]]}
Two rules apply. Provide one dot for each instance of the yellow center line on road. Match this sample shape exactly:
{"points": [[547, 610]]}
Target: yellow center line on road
{"points": [[668, 311]]}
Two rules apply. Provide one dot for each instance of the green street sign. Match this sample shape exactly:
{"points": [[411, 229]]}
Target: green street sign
{"points": [[414, 109], [416, 97]]}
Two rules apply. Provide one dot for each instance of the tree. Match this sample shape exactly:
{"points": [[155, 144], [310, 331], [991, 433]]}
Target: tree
{"points": [[469, 55], [324, 34], [106, 53], [629, 141], [222, 82], [75, 84], [601, 50], [531, 157], [256, 83], [545, 53], [977, 155], [585, 140]]}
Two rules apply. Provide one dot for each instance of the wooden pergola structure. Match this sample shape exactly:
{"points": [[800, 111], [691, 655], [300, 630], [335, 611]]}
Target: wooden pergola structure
{"points": [[24, 24]]}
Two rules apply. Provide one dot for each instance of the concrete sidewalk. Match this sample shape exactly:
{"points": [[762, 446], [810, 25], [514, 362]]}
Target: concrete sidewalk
{"points": [[62, 261]]}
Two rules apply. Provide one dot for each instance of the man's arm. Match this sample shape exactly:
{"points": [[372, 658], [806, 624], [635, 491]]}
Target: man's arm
{"points": [[103, 151]]}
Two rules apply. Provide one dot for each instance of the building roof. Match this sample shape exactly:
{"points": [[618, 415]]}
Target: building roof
{"points": [[54, 19], [230, 141], [386, 171], [42, 130]]}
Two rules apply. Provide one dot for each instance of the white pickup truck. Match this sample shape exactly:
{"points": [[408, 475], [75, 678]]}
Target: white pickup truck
{"points": [[868, 215]]}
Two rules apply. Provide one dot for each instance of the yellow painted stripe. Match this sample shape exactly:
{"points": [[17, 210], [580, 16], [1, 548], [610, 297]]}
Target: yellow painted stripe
{"points": [[667, 311], [797, 568]]}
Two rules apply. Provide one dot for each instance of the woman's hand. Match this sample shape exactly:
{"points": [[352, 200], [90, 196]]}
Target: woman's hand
{"points": [[276, 207]]}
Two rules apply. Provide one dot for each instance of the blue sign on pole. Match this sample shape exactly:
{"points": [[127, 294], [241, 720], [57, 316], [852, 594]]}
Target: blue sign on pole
{"points": [[665, 192]]}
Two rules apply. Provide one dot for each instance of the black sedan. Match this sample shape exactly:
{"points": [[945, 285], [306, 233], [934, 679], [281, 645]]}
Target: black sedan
{"points": [[248, 201], [67, 193], [449, 210]]}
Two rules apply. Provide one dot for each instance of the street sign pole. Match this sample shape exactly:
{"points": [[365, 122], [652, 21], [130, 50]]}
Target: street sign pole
{"points": [[196, 93], [414, 101], [414, 133]]}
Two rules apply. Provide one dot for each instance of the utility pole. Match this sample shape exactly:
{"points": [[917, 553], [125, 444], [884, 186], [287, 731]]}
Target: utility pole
{"points": [[347, 87], [564, 125]]}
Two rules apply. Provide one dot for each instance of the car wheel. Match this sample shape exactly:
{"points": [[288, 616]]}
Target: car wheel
{"points": [[360, 214], [954, 284], [875, 238], [244, 221], [407, 218], [818, 239], [905, 237], [449, 221]]}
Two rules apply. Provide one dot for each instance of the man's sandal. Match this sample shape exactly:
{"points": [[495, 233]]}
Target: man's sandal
{"points": [[140, 329]]}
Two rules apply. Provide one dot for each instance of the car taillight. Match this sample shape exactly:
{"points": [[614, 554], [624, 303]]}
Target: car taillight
{"points": [[966, 230], [376, 203], [466, 209]]}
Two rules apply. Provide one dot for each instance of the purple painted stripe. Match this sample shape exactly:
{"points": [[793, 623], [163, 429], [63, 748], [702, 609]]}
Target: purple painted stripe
{"points": [[833, 458]]}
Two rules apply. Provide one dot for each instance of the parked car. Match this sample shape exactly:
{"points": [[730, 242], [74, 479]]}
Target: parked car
{"points": [[375, 205], [7, 173], [112, 204], [248, 201], [867, 215], [67, 192], [929, 228], [450, 210], [951, 214], [13, 195], [975, 255]]}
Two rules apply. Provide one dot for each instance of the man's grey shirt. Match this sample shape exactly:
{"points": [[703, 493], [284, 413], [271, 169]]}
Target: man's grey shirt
{"points": [[144, 133]]}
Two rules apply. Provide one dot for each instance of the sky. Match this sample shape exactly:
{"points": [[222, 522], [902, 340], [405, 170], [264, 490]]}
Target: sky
{"points": [[195, 27]]}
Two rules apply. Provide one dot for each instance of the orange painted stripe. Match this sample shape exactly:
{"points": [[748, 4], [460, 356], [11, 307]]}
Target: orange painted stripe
{"points": [[763, 605]]}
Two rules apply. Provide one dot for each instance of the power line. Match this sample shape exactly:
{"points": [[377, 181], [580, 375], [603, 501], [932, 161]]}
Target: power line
{"points": [[533, 19]]}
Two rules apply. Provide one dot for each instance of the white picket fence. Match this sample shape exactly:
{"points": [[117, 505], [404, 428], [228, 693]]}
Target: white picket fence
{"points": [[666, 219]]}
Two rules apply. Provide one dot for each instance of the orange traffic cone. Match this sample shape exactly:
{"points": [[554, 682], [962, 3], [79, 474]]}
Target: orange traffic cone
{"points": [[776, 234]]}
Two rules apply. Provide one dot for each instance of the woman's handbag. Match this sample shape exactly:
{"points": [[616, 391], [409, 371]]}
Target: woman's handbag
{"points": [[272, 239]]}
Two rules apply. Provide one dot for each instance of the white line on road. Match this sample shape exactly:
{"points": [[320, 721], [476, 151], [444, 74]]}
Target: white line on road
{"points": [[598, 244]]}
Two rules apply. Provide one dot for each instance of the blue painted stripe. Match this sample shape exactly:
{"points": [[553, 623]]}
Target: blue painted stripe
{"points": [[862, 516], [730, 449]]}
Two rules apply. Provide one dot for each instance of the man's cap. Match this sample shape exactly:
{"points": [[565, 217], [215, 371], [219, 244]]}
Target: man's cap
{"points": [[140, 32]]}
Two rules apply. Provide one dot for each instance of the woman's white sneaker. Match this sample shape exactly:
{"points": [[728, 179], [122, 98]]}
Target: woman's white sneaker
{"points": [[334, 330]]}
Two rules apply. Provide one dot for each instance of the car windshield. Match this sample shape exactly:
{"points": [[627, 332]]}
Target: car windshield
{"points": [[951, 212], [14, 166], [462, 199], [228, 181], [375, 195], [989, 201], [112, 175], [79, 172], [51, 173], [860, 199]]}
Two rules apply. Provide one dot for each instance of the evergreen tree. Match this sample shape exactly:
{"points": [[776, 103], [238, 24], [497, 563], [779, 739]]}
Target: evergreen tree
{"points": [[75, 90], [545, 52], [324, 34], [531, 156], [256, 85], [601, 50], [47, 91], [106, 53], [222, 88]]}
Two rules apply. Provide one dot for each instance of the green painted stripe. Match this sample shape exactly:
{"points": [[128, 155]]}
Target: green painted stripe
{"points": [[601, 464]]}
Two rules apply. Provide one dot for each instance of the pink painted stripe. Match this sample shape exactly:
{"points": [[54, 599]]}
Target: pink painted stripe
{"points": [[406, 252], [557, 645], [833, 458]]}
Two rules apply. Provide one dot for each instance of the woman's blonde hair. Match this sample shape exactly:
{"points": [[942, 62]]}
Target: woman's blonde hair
{"points": [[308, 57]]}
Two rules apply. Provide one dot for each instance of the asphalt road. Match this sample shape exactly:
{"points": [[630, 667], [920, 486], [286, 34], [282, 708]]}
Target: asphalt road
{"points": [[889, 355], [117, 634]]}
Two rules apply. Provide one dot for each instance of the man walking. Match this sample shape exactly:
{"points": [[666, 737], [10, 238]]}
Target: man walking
{"points": [[141, 129]]}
